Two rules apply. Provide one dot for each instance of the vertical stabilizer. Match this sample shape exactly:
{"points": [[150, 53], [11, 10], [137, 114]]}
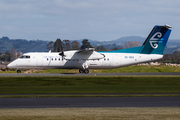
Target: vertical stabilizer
{"points": [[156, 41]]}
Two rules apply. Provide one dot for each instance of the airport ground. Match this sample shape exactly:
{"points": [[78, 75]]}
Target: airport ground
{"points": [[89, 85], [121, 86], [152, 113], [128, 69]]}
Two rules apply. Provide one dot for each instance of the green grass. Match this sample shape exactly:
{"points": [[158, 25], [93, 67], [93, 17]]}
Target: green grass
{"points": [[153, 113], [8, 71], [128, 69], [42, 85]]}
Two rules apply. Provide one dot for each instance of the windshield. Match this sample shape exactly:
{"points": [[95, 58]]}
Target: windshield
{"points": [[25, 56]]}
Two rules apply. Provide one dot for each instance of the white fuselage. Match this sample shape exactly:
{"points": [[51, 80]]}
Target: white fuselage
{"points": [[54, 61]]}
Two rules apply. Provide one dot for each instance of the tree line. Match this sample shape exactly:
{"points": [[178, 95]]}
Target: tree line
{"points": [[65, 45], [5, 57]]}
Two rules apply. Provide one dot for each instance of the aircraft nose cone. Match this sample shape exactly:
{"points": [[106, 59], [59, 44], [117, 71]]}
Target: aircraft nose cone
{"points": [[10, 65]]}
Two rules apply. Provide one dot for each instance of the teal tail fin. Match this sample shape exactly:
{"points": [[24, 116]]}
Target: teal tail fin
{"points": [[156, 41]]}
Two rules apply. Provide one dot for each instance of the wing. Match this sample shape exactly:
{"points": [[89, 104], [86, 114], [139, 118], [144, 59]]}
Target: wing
{"points": [[86, 54]]}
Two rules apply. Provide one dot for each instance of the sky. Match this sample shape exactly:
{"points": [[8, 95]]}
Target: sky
{"points": [[86, 19]]}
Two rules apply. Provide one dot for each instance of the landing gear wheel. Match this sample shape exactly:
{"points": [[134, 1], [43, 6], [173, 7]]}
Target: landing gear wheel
{"points": [[18, 71], [81, 71], [86, 71]]}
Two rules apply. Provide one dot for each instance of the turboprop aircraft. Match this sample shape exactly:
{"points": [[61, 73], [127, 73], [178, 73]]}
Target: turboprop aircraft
{"points": [[152, 49]]}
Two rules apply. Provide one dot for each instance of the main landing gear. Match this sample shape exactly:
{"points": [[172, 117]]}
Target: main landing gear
{"points": [[18, 71], [84, 68], [86, 71]]}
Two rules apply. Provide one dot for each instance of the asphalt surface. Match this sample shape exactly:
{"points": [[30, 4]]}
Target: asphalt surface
{"points": [[85, 102], [78, 74]]}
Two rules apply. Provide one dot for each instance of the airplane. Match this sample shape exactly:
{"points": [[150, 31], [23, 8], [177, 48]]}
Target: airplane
{"points": [[152, 49]]}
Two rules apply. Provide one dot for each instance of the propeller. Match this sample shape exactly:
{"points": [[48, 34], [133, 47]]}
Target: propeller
{"points": [[62, 50], [61, 53]]}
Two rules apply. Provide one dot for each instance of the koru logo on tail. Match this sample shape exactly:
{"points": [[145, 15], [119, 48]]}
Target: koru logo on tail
{"points": [[155, 39]]}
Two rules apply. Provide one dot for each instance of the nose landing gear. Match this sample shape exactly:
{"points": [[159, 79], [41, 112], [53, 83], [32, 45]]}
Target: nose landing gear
{"points": [[18, 71]]}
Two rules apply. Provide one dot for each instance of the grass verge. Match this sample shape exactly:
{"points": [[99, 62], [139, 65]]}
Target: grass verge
{"points": [[91, 113], [76, 85], [128, 69]]}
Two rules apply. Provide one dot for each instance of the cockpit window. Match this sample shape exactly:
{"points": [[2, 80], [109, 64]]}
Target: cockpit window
{"points": [[22, 56], [25, 57]]}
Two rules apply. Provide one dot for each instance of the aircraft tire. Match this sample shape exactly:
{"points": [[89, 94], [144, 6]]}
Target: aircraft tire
{"points": [[81, 71], [86, 71], [18, 71]]}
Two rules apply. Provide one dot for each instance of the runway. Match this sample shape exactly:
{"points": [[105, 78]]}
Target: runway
{"points": [[78, 74], [88, 102]]}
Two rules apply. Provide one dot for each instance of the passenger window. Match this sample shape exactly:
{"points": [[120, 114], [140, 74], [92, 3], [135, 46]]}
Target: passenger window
{"points": [[55, 59], [47, 59], [52, 58], [59, 59], [104, 59]]}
